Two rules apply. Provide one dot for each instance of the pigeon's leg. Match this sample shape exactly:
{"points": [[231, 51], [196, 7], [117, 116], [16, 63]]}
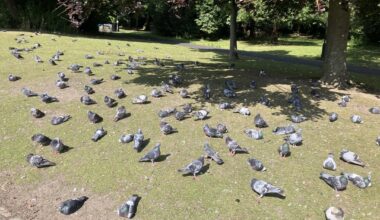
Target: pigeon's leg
{"points": [[152, 162], [195, 177]]}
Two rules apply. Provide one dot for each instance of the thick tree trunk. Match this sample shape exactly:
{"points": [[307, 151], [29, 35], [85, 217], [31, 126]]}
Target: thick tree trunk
{"points": [[233, 37], [334, 65], [12, 8]]}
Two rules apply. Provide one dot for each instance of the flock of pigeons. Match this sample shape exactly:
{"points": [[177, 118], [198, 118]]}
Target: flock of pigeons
{"points": [[292, 137]]}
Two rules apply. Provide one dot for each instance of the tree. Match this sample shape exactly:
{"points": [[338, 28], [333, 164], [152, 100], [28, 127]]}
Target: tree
{"points": [[233, 38]]}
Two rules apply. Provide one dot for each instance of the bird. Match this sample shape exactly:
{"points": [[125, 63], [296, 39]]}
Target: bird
{"points": [[121, 113], [315, 93], [334, 213], [41, 139], [229, 93], [374, 110], [264, 188], [180, 115], [36, 113], [378, 140], [284, 130], [166, 87], [297, 118], [166, 112], [152, 155], [329, 163], [262, 73], [230, 84], [52, 62], [200, 115], [141, 99], [17, 55], [212, 132], [99, 133], [175, 79], [187, 108], [62, 76], [296, 101], [156, 93], [119, 93], [294, 88], [96, 81], [207, 92], [87, 70], [61, 84], [166, 128], [253, 84], [295, 138], [138, 139], [115, 77], [38, 161], [234, 147], [356, 119], [13, 78], [56, 120], [57, 145], [260, 122], [126, 138], [88, 56], [225, 105], [193, 168], [357, 180], [342, 103], [128, 209], [48, 99], [211, 153], [184, 93], [351, 157], [256, 164], [264, 101], [94, 117], [338, 183], [221, 128], [346, 98], [254, 134], [110, 102], [284, 150], [243, 110], [333, 117], [89, 90], [28, 92], [87, 100], [72, 205]]}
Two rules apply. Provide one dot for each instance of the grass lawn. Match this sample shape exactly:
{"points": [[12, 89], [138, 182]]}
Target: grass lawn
{"points": [[108, 172]]}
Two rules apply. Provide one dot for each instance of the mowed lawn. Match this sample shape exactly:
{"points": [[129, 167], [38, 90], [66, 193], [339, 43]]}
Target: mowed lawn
{"points": [[109, 172]]}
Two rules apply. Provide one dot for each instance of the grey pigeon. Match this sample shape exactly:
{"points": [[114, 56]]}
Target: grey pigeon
{"points": [[166, 128], [333, 117], [56, 120], [166, 88], [284, 130], [295, 138], [120, 93], [356, 119], [41, 139], [126, 138], [284, 150], [87, 70], [99, 133], [254, 134], [260, 122], [207, 92], [17, 55], [179, 115], [141, 99], [357, 180], [128, 209], [211, 153], [378, 140], [13, 78], [346, 98], [93, 117], [297, 103], [234, 147], [152, 155], [120, 114], [61, 84], [297, 118], [294, 89], [37, 113], [221, 128], [334, 213], [28, 92], [72, 205], [201, 114], [194, 167], [57, 145], [256, 164], [263, 188], [329, 163], [243, 110], [115, 77], [187, 108], [110, 102], [342, 103], [230, 84], [166, 112], [62, 76], [374, 110], [87, 100], [89, 90], [212, 132], [156, 93], [253, 84], [264, 101], [184, 93], [48, 99], [225, 105], [96, 81], [338, 183], [88, 56], [38, 161], [351, 157], [52, 62], [175, 80], [229, 93], [138, 139]]}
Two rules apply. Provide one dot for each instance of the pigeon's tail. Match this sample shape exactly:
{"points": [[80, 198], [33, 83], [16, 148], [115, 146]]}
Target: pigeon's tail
{"points": [[324, 176], [46, 163], [359, 162], [184, 170], [218, 160], [144, 159], [242, 150], [276, 190], [82, 198], [66, 117]]}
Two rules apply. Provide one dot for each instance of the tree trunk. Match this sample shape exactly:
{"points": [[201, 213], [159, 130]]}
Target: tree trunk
{"points": [[233, 37], [334, 65], [274, 35], [12, 8]]}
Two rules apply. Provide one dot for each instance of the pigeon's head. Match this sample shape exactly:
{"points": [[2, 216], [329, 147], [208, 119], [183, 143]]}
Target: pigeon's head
{"points": [[330, 155], [228, 139], [29, 156], [343, 179], [202, 159]]}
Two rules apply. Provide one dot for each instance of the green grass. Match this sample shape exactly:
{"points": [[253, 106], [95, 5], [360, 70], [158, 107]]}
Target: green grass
{"points": [[223, 192]]}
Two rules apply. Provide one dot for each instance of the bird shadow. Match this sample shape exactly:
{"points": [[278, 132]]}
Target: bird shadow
{"points": [[275, 195], [162, 157], [145, 143], [66, 149]]}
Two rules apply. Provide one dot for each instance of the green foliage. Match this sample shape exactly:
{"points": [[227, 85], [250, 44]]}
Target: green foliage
{"points": [[211, 17], [366, 21]]}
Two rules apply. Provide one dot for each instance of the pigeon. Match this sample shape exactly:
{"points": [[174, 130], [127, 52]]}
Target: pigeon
{"points": [[260, 122], [141, 99], [221, 128], [201, 114], [333, 117], [41, 139], [284, 130], [264, 101], [297, 103], [107, 62], [225, 105], [166, 112], [184, 93], [87, 70], [262, 73], [17, 55], [211, 153], [52, 62], [329, 163], [96, 81], [229, 93], [284, 150], [128, 209], [126, 138], [295, 138], [88, 56], [57, 145], [378, 140], [207, 92], [254, 134], [48, 99], [334, 213], [230, 84], [179, 115], [194, 167], [374, 110], [138, 139], [351, 157], [61, 84], [256, 164], [72, 205], [56, 56], [110, 102], [120, 113], [56, 120], [93, 117], [152, 155], [294, 89], [87, 100], [297, 118], [13, 78], [62, 76], [338, 183], [38, 161], [175, 80], [120, 93], [243, 110], [37, 113], [166, 88], [346, 98], [263, 188], [315, 93], [115, 77], [187, 108], [156, 93], [342, 103], [253, 84], [28, 92], [356, 119], [234, 147], [89, 90], [99, 133], [166, 128], [357, 180], [212, 132]]}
